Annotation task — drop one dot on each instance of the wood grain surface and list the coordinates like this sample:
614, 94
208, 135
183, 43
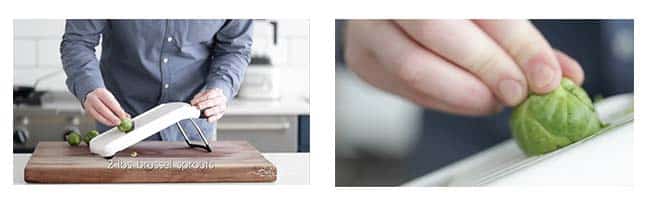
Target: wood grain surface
156, 162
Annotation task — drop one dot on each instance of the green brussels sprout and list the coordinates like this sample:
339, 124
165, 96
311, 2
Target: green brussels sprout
126, 125
90, 135
73, 138
545, 123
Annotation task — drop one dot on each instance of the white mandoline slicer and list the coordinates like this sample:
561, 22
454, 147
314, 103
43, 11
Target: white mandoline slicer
108, 143
604, 158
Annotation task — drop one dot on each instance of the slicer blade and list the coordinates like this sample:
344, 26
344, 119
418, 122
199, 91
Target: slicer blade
146, 124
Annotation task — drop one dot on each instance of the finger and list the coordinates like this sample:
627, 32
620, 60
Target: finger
206, 104
464, 44
114, 106
570, 67
208, 94
407, 69
97, 116
390, 83
196, 97
529, 49
106, 113
211, 103
210, 111
213, 111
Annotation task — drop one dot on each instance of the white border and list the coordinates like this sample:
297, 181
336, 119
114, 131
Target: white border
321, 190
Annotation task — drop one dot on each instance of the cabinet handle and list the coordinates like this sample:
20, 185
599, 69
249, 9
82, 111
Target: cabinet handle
253, 126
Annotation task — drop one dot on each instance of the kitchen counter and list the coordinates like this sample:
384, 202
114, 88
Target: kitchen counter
293, 105
293, 169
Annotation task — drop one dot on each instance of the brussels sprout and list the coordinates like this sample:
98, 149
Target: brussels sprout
90, 135
126, 125
73, 138
544, 123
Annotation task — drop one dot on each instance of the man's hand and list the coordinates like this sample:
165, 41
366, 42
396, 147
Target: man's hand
470, 67
103, 106
212, 102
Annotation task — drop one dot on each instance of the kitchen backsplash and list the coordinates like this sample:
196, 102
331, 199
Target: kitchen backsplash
36, 49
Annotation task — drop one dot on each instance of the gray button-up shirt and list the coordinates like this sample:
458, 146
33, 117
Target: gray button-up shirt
145, 63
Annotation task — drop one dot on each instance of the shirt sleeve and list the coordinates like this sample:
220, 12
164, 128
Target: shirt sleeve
78, 56
230, 56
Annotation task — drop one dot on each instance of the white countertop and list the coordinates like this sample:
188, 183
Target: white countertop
293, 169
295, 105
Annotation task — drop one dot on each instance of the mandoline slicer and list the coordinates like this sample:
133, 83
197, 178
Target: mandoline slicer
146, 124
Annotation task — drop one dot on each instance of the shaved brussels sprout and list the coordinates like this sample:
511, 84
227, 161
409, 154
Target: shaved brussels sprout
545, 123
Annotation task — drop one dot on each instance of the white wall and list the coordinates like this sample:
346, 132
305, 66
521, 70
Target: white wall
36, 49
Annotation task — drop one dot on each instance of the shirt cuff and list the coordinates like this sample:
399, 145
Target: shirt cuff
222, 83
85, 86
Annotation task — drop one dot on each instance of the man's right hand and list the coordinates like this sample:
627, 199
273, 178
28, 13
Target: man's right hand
103, 106
468, 67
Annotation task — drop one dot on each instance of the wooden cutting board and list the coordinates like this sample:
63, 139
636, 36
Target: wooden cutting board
156, 161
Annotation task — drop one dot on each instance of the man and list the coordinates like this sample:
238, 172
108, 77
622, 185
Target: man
145, 63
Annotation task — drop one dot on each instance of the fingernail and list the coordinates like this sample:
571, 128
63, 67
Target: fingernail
511, 91
542, 75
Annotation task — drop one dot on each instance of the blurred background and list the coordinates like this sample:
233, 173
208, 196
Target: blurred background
384, 140
271, 110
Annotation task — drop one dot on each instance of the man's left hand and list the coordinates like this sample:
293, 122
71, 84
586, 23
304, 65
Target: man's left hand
212, 102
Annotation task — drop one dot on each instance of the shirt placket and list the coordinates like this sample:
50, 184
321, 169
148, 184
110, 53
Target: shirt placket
166, 62
166, 52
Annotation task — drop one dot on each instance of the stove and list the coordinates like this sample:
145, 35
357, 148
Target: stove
45, 116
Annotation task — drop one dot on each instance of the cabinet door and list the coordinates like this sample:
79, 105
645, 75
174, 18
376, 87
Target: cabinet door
266, 133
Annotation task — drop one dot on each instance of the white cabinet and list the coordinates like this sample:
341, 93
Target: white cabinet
271, 133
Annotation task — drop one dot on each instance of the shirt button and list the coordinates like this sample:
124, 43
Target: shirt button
166, 86
165, 60
169, 39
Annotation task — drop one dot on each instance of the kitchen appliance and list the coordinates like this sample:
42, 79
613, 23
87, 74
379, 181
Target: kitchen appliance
45, 115
260, 83
262, 52
146, 124
604, 158
149, 161
260, 80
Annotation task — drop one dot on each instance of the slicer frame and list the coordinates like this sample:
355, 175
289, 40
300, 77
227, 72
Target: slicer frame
205, 145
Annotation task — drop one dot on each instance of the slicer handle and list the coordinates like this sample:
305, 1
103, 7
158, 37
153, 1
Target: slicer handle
202, 114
